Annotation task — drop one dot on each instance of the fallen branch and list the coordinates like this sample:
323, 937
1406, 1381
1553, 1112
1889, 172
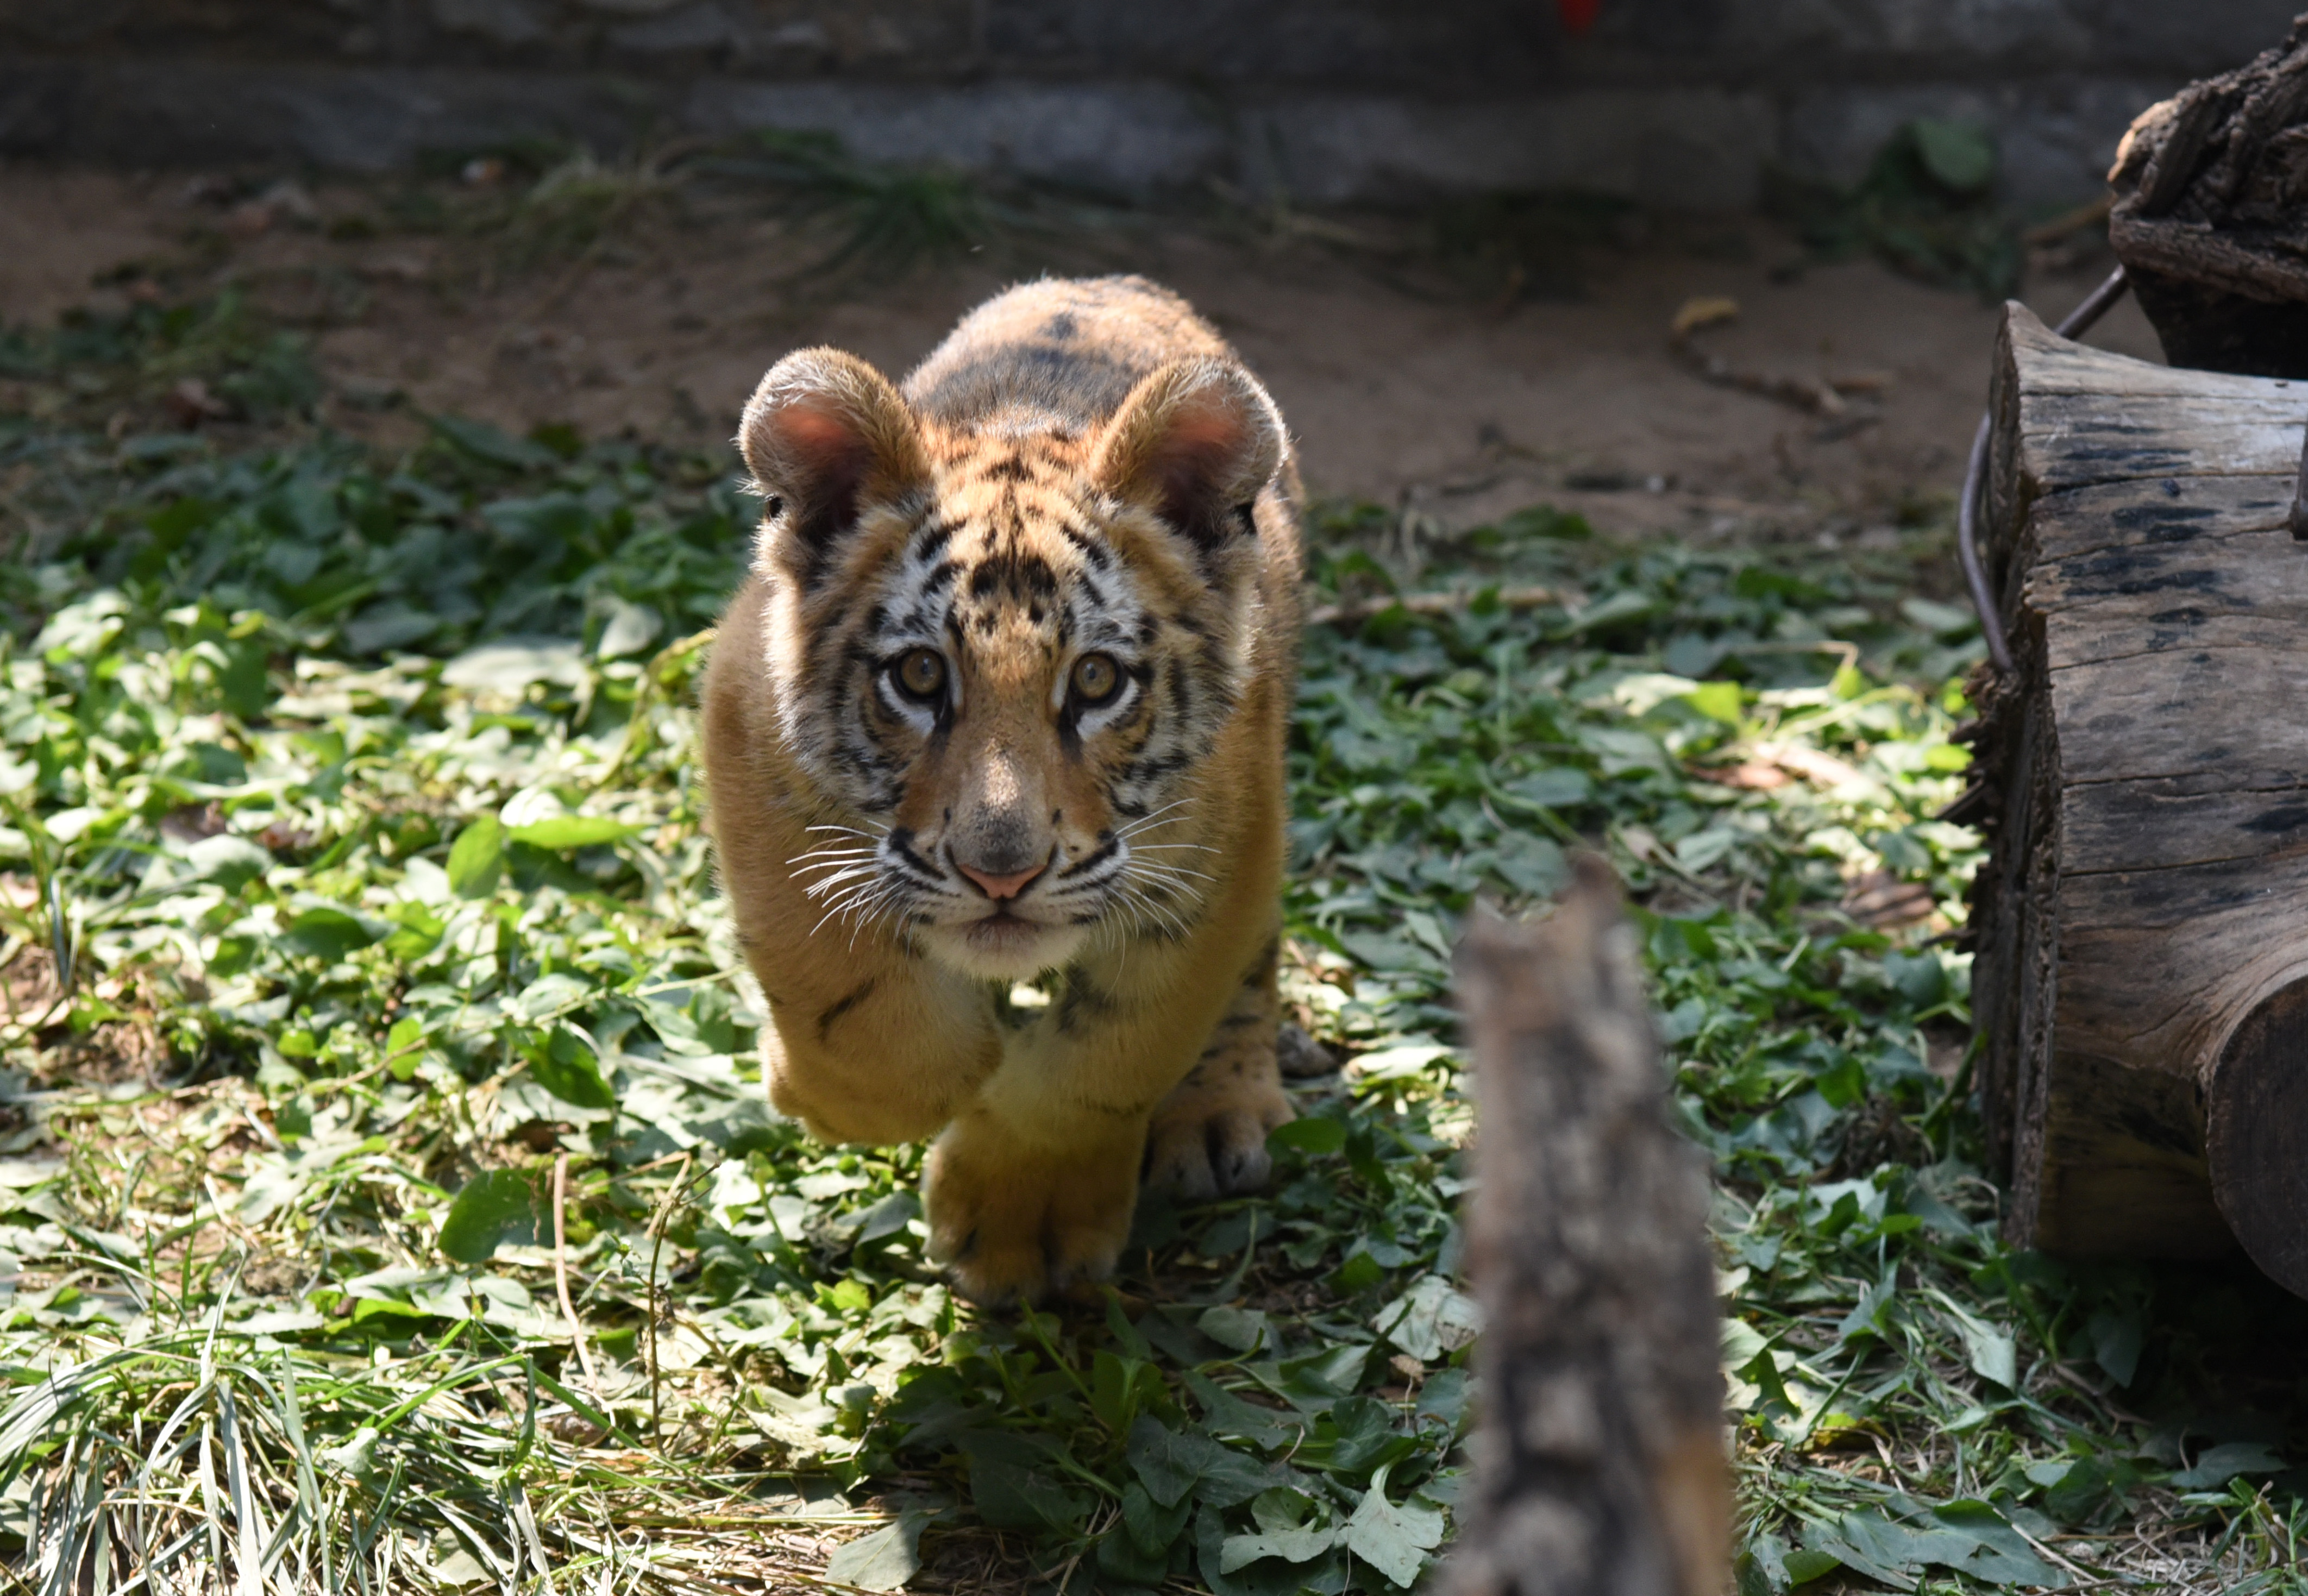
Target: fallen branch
1821, 396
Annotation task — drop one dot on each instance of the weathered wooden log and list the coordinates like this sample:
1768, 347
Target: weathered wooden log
1599, 1451
2211, 216
2141, 926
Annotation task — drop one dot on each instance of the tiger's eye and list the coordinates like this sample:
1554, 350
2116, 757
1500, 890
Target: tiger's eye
921, 673
1096, 678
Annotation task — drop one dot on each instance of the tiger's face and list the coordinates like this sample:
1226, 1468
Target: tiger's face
1002, 653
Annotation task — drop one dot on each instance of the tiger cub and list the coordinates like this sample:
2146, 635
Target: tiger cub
994, 751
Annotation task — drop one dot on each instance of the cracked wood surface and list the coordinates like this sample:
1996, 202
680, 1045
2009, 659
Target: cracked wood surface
2147, 908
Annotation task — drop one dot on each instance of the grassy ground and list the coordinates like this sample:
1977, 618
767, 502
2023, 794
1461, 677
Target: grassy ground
390, 1201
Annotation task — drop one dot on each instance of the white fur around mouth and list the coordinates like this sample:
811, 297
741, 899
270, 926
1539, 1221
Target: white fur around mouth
1004, 947
1003, 931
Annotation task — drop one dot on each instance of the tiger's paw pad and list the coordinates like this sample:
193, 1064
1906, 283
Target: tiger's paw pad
1208, 1137
1009, 1228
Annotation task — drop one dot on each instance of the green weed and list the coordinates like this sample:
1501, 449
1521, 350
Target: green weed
1927, 206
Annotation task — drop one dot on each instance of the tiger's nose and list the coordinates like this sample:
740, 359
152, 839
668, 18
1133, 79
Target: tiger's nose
999, 887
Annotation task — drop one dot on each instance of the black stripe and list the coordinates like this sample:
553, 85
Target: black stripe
825, 1021
1106, 849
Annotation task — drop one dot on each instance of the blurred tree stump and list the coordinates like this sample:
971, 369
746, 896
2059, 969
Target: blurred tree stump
1599, 1454
2211, 216
2141, 981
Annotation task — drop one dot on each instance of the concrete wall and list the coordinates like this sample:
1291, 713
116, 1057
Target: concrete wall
1678, 102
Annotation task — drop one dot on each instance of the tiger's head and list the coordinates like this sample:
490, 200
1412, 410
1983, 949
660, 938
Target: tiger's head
1001, 651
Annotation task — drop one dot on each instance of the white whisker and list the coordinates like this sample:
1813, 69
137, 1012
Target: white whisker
1143, 822
1142, 903
1172, 872
854, 872
852, 895
877, 905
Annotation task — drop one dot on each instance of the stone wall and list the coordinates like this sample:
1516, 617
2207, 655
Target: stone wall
1678, 102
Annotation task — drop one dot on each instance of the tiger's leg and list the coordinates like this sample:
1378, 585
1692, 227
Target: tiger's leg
1208, 1136
1033, 1186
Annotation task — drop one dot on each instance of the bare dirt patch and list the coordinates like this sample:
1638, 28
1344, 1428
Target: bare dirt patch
661, 323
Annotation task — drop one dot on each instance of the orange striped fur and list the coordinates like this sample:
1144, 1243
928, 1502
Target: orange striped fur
1004, 702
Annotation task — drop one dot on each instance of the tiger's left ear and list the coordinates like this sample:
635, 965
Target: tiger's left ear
1196, 442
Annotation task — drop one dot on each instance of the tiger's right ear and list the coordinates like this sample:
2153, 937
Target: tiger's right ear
825, 436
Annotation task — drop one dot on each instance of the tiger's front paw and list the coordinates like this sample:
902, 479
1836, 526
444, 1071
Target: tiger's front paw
1012, 1222
1208, 1136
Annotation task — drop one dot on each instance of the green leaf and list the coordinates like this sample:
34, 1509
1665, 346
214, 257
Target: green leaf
511, 665
1717, 700
420, 933
230, 861
1313, 1134
1127, 1566
1242, 1330
1558, 786
491, 1210
565, 1067
1292, 1546
1167, 1463
1012, 1491
1844, 1084
565, 833
2002, 1555
1120, 1388
328, 934
478, 858
1430, 1320
884, 1560
1993, 1355
1803, 1565
1153, 1528
486, 442
1170, 1463
1271, 1577
1531, 863
1226, 1414
2215, 1466
1920, 977
1941, 619
1823, 1541
631, 627
1125, 1334
2117, 1336
1393, 1540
